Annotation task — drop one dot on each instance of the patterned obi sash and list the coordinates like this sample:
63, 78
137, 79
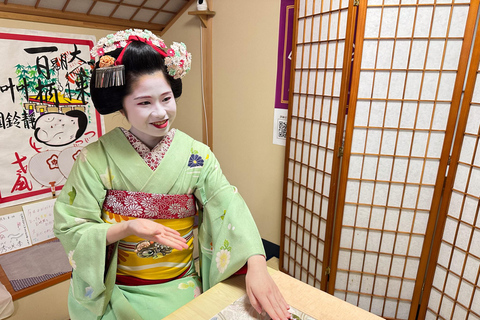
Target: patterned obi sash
149, 205
141, 262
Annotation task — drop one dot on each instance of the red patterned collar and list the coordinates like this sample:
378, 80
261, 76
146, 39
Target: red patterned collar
151, 157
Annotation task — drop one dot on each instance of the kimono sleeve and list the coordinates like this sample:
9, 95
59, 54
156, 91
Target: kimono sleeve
82, 232
228, 235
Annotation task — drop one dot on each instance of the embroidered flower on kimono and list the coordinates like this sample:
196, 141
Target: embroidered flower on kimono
107, 178
80, 220
88, 292
71, 261
190, 284
197, 291
195, 161
72, 194
177, 210
222, 259
118, 208
130, 200
190, 206
133, 210
157, 199
149, 209
111, 201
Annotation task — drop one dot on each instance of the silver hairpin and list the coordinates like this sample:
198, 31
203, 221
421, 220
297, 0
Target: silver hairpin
112, 76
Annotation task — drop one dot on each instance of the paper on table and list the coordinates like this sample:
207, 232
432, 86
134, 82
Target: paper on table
241, 309
40, 220
13, 232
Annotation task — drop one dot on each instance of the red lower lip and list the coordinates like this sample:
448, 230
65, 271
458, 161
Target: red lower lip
161, 126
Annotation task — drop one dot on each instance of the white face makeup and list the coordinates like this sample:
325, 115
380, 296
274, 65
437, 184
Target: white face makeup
150, 108
56, 129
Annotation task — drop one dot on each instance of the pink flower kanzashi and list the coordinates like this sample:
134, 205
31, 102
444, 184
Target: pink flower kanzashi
170, 52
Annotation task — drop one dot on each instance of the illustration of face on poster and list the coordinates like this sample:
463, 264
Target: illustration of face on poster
59, 129
45, 109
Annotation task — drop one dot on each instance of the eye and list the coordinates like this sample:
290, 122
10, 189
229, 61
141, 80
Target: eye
166, 99
143, 103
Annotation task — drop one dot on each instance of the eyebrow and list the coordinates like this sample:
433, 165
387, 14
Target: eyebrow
141, 97
149, 97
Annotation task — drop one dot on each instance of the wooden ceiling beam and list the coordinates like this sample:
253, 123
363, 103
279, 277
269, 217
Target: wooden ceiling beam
91, 7
116, 8
65, 5
141, 6
177, 15
21, 12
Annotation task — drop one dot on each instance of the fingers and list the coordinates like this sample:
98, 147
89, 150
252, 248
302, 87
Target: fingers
272, 302
153, 231
176, 243
172, 240
171, 231
282, 302
275, 308
253, 301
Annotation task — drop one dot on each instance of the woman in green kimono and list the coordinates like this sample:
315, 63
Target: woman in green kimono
125, 216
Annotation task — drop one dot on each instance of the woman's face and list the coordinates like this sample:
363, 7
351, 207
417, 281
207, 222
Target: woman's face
150, 108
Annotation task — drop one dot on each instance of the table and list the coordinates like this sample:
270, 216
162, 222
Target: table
303, 297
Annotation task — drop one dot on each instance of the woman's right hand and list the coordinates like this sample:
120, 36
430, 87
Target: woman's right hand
148, 230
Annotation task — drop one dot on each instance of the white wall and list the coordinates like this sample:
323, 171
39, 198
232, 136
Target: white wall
245, 44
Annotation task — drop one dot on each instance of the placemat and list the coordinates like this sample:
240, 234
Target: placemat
33, 265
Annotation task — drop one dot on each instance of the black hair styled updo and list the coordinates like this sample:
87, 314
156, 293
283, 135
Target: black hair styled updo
139, 59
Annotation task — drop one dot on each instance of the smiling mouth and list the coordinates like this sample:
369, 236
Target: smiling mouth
160, 124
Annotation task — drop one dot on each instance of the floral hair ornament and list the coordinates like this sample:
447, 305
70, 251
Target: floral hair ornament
111, 72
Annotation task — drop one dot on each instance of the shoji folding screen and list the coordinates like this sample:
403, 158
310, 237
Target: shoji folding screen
311, 160
452, 288
370, 144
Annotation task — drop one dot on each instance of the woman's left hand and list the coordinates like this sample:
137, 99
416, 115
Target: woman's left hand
263, 292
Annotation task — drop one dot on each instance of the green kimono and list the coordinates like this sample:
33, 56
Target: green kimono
227, 235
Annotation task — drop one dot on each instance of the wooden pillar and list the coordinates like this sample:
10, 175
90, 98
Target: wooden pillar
207, 36
207, 75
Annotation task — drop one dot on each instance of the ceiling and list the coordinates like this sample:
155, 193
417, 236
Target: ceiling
155, 15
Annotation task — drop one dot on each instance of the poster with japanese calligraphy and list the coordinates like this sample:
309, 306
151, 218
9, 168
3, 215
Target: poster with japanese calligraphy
46, 115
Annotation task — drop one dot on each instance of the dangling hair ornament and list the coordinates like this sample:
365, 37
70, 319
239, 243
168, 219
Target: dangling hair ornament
111, 71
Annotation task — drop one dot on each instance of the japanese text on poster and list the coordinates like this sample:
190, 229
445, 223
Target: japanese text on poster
46, 116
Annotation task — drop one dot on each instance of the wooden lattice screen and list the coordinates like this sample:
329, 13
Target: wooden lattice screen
368, 241
452, 288
310, 160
